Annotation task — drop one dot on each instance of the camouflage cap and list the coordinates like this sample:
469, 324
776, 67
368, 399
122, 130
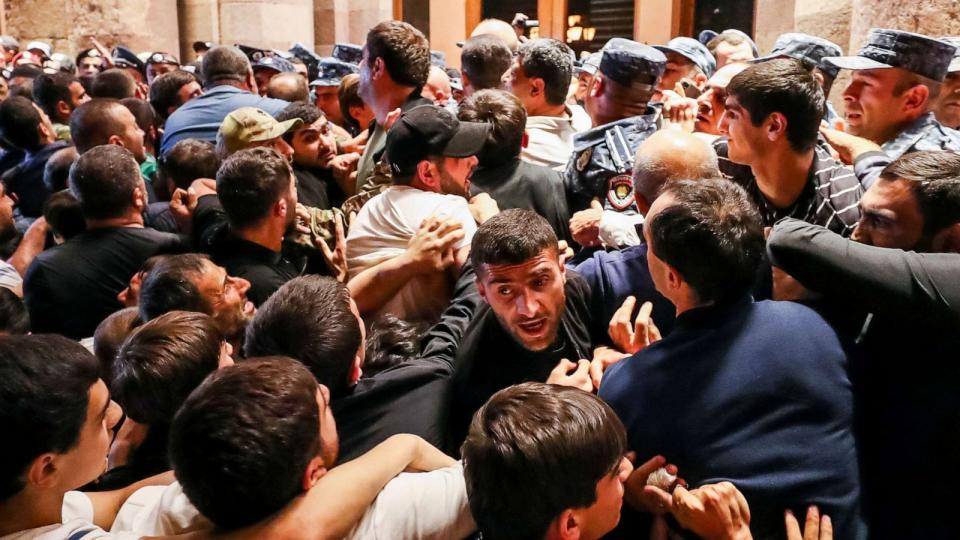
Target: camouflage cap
332, 71
632, 64
955, 63
439, 59
276, 63
248, 125
589, 65
348, 52
811, 50
693, 51
885, 48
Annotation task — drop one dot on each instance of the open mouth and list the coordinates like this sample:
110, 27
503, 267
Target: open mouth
533, 328
853, 118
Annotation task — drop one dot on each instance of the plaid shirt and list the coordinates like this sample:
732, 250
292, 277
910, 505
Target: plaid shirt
831, 197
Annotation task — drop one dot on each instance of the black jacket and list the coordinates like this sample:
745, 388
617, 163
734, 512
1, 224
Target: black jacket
490, 359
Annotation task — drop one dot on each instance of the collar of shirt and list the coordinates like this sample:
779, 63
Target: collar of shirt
909, 135
238, 247
705, 316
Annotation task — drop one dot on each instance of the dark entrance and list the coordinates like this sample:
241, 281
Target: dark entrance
720, 15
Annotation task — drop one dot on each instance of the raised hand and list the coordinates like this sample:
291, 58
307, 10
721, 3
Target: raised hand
632, 337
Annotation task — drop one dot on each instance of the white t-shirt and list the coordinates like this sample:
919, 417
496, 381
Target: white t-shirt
77, 517
550, 138
412, 506
381, 231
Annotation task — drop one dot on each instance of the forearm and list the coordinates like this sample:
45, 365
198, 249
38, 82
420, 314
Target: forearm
30, 246
372, 288
106, 504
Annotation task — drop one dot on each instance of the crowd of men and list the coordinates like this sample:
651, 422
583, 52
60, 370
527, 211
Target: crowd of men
269, 294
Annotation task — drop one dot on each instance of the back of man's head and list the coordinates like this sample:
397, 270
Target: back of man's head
143, 112
171, 285
161, 362
110, 335
14, 319
92, 123
934, 179
114, 83
189, 160
484, 60
550, 60
104, 181
309, 318
223, 64
499, 28
507, 119
288, 87
165, 91
57, 170
45, 383
670, 155
404, 50
784, 86
20, 123
511, 237
242, 441
250, 182
52, 88
711, 233
542, 448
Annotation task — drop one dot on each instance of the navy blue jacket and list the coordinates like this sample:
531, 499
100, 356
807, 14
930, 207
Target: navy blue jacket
755, 393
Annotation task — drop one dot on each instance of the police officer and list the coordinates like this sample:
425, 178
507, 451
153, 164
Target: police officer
159, 63
618, 103
266, 67
896, 76
348, 52
811, 51
124, 58
947, 110
327, 86
89, 62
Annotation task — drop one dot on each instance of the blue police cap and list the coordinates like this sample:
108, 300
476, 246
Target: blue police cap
348, 52
632, 64
332, 71
955, 63
125, 58
885, 48
276, 63
693, 51
811, 50
253, 53
439, 59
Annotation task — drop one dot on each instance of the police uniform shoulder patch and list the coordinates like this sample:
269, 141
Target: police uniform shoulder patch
584, 159
620, 192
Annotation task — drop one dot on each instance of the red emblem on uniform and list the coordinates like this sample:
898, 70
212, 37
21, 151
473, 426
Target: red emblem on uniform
620, 192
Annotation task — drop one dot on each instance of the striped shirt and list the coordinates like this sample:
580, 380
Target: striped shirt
831, 197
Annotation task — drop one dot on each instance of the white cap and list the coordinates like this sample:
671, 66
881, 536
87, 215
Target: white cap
42, 46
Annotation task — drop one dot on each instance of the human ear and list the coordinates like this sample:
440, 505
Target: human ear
776, 126
566, 526
43, 471
947, 240
315, 471
917, 97
536, 87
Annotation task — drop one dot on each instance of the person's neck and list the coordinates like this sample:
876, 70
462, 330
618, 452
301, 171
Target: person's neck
228, 82
782, 175
686, 304
388, 100
546, 109
133, 220
417, 184
265, 235
22, 513
602, 119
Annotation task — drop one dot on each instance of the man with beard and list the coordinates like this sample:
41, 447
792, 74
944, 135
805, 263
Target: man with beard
258, 194
320, 184
431, 156
535, 320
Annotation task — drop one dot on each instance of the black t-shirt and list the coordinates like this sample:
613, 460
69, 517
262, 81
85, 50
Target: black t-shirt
26, 180
72, 288
317, 188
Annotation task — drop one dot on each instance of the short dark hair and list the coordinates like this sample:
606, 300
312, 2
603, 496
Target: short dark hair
14, 319
224, 63
935, 181
404, 49
507, 119
542, 448
171, 285
142, 111
712, 235
64, 215
20, 123
103, 180
551, 60
57, 170
165, 90
288, 86
309, 318
391, 341
189, 160
110, 335
784, 86
349, 96
161, 362
484, 59
242, 441
249, 182
92, 123
732, 37
52, 88
511, 237
307, 112
45, 385
114, 83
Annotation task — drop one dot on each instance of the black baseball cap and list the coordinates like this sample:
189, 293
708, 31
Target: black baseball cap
427, 131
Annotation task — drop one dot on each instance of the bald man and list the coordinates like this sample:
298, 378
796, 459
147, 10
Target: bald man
665, 156
437, 88
501, 29
288, 86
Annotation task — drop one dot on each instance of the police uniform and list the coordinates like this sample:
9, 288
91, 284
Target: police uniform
812, 52
602, 163
919, 54
348, 52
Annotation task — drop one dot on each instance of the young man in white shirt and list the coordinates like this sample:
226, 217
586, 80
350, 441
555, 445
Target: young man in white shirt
431, 156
